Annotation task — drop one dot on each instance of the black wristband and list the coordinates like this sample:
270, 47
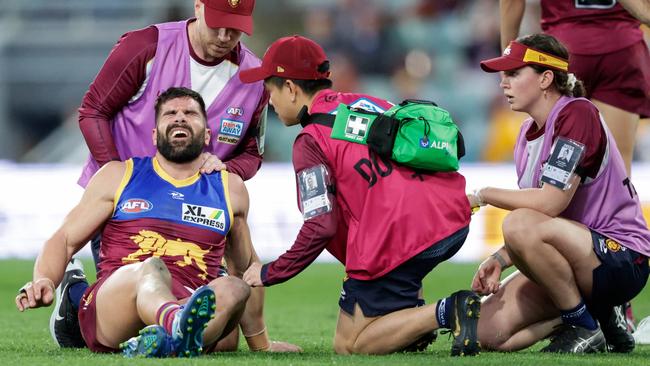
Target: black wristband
499, 258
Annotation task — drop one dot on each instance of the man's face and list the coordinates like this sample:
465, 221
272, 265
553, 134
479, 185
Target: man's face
215, 43
180, 133
280, 99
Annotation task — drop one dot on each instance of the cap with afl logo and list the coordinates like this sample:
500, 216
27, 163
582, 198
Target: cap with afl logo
235, 14
294, 57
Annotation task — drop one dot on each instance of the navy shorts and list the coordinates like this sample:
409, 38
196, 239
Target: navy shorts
398, 289
621, 276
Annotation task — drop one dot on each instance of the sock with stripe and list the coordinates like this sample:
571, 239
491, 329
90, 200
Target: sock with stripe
443, 312
579, 316
165, 315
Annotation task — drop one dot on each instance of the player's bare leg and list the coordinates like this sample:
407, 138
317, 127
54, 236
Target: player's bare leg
623, 125
229, 343
380, 335
517, 316
129, 298
231, 296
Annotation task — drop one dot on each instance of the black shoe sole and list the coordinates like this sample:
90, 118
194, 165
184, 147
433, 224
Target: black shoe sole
466, 343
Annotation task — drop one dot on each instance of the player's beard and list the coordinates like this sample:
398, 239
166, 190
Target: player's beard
180, 152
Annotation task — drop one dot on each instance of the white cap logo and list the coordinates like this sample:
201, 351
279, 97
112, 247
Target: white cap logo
506, 52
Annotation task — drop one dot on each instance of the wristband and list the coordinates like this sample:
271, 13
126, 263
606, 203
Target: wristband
477, 193
258, 341
499, 258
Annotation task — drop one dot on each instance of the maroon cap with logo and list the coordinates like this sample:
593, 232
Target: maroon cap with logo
292, 57
235, 14
518, 55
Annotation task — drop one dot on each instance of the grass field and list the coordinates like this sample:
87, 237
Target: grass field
302, 311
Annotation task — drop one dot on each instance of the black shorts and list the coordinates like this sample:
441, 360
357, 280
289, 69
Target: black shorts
621, 276
398, 289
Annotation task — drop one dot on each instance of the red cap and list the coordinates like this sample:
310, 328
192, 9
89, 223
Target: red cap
235, 14
292, 57
517, 55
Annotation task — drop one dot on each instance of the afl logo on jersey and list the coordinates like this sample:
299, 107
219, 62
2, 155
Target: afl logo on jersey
136, 205
235, 111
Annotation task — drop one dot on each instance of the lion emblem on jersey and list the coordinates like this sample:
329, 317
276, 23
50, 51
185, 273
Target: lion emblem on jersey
150, 242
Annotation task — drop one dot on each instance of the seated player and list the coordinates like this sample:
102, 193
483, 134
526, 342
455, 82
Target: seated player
166, 228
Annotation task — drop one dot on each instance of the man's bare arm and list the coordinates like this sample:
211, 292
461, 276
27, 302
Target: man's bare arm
94, 208
240, 254
512, 12
639, 9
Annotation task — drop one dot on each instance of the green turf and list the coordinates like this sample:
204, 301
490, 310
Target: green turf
302, 311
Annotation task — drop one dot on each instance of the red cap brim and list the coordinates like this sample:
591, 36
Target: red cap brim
252, 75
218, 19
503, 63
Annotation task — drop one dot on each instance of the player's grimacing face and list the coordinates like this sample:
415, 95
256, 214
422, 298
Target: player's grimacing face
521, 88
181, 132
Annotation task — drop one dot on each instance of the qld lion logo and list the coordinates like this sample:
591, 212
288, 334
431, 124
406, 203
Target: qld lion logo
150, 242
233, 3
612, 245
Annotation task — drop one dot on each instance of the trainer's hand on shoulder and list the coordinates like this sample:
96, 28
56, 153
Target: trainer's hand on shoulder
279, 346
211, 163
35, 294
253, 275
487, 279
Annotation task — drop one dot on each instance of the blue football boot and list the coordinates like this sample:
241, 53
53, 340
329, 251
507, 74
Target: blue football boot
153, 341
190, 321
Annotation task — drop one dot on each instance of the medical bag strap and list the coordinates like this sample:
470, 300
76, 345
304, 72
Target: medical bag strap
417, 101
324, 119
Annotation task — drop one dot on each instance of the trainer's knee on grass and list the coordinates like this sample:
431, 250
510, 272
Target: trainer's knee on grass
348, 346
357, 348
493, 342
494, 335
342, 346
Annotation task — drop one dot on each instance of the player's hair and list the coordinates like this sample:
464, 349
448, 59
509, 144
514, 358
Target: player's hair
310, 87
549, 44
179, 92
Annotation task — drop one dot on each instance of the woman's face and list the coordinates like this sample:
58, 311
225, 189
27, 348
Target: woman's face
522, 88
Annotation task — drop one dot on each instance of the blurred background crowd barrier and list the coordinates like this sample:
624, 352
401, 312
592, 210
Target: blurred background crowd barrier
51, 50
